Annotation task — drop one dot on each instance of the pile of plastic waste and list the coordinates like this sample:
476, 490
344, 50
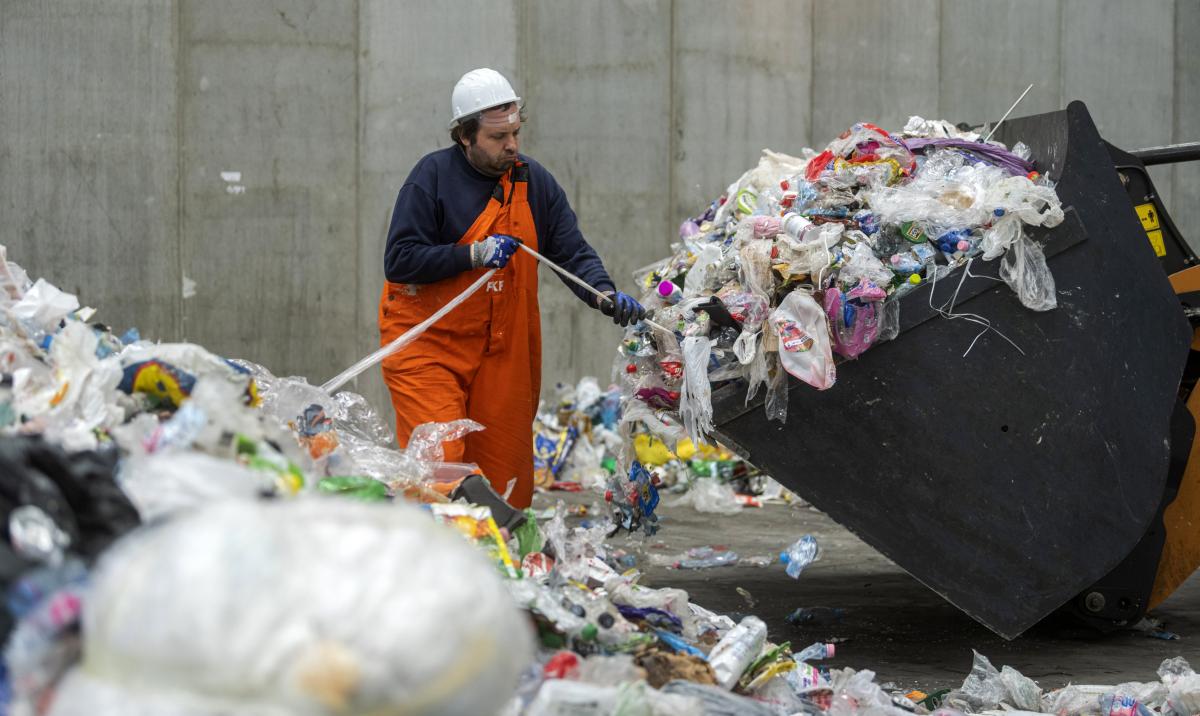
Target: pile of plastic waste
578, 447
193, 535
307, 557
987, 690
802, 262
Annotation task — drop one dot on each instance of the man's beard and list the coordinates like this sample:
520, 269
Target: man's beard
487, 164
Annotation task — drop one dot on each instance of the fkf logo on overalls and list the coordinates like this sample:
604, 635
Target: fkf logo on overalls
495, 286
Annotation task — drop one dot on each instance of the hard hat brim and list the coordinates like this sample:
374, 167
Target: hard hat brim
475, 113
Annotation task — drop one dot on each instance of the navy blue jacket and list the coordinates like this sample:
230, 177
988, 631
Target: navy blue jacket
443, 196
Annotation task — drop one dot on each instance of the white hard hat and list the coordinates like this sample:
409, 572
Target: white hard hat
479, 90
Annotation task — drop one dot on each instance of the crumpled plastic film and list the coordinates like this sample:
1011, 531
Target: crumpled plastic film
426, 440
43, 305
1024, 269
695, 402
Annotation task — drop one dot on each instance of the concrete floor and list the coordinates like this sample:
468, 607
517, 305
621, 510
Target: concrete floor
892, 624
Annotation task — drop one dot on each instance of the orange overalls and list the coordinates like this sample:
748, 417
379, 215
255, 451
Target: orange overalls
483, 361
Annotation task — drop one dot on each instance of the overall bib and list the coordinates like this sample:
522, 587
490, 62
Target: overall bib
483, 361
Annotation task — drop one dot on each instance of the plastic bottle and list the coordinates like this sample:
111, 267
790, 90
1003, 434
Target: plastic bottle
670, 293
801, 554
741, 645
815, 652
705, 557
794, 225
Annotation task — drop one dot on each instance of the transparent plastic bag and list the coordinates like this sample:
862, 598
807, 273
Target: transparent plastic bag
239, 622
160, 485
889, 321
861, 263
983, 688
426, 440
710, 495
804, 344
1024, 269
1023, 692
703, 272
855, 692
624, 592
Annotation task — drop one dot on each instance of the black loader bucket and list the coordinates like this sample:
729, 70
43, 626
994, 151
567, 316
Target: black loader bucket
1012, 483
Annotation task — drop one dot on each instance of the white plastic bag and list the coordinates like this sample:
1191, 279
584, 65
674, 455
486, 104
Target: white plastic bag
695, 400
44, 305
804, 346
312, 606
160, 485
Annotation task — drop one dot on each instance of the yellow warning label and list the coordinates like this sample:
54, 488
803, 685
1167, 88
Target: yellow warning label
1149, 216
1156, 240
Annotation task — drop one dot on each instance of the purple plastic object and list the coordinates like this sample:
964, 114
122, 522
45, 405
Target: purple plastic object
988, 152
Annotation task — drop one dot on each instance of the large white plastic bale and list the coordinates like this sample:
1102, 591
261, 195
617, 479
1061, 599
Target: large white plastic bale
312, 606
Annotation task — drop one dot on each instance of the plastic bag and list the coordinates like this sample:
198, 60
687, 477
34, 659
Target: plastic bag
239, 624
804, 344
862, 264
889, 321
426, 440
710, 495
622, 591
854, 317
813, 253
69, 404
43, 306
856, 692
703, 271
160, 485
983, 688
1023, 692
695, 400
1024, 269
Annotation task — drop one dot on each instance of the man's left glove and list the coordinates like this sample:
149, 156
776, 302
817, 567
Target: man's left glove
493, 252
623, 308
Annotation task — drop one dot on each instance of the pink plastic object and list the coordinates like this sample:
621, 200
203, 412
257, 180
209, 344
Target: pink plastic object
850, 340
766, 227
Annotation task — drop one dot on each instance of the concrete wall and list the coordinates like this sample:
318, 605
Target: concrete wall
256, 148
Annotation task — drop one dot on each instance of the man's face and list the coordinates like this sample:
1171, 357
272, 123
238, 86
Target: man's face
495, 148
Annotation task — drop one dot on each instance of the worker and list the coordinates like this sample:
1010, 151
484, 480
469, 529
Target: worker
462, 211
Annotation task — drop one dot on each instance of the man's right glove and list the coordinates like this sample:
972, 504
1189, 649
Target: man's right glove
623, 308
493, 252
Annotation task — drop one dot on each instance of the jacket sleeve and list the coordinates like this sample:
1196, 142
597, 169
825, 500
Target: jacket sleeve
413, 253
566, 246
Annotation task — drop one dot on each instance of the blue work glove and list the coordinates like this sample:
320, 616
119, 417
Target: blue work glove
493, 252
623, 308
